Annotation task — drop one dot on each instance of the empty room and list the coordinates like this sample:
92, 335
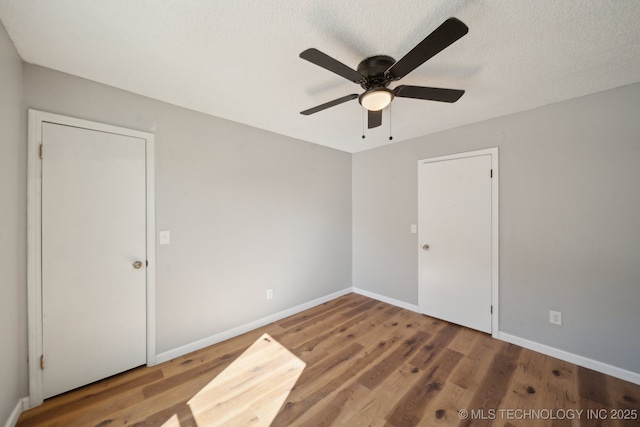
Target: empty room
318, 212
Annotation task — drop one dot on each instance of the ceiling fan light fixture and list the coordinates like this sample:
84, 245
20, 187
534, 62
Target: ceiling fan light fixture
376, 99
375, 73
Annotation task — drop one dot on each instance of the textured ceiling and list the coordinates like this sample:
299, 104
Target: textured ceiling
239, 59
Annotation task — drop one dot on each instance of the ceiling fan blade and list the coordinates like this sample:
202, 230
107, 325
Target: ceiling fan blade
325, 61
329, 104
428, 93
445, 35
374, 119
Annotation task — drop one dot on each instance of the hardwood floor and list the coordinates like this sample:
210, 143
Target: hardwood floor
368, 363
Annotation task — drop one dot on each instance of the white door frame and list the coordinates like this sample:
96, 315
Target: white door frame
34, 238
495, 236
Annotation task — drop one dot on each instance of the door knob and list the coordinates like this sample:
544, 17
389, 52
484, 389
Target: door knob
425, 247
137, 265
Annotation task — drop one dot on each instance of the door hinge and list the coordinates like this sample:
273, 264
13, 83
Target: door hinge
491, 309
41, 150
42, 362
491, 173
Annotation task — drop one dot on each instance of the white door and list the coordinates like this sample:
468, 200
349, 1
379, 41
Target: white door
455, 235
93, 232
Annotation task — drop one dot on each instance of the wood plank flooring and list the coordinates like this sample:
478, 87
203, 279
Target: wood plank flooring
368, 363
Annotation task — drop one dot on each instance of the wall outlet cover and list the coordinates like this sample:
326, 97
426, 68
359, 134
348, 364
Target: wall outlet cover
555, 317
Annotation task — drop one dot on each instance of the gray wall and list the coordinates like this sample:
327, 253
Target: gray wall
13, 218
569, 221
247, 209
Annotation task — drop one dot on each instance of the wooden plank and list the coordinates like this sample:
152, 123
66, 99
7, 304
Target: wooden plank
411, 407
373, 376
207, 369
376, 406
393, 325
494, 386
431, 349
625, 401
251, 390
590, 386
357, 329
463, 382
559, 390
444, 408
471, 369
526, 390
465, 340
361, 308
323, 311
337, 407
314, 327
337, 335
329, 400
593, 397
315, 383
94, 401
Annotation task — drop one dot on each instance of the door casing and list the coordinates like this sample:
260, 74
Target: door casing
34, 238
495, 264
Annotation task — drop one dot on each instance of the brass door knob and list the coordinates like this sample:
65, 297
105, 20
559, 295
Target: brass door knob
137, 265
425, 247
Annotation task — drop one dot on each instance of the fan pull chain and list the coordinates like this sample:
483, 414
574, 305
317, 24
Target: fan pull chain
390, 133
363, 114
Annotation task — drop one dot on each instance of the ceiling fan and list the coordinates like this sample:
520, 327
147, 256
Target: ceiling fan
375, 73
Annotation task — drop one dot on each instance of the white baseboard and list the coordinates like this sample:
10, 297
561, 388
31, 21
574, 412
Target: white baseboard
388, 300
239, 330
604, 368
585, 362
22, 405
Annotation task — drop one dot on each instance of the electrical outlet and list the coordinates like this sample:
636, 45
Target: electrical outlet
555, 317
270, 293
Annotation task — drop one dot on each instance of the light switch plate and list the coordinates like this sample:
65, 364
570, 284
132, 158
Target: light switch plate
414, 228
165, 237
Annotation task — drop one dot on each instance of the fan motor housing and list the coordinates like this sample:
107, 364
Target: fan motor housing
373, 68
